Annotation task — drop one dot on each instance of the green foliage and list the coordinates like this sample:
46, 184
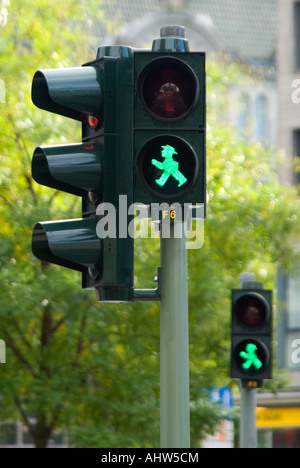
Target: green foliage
92, 369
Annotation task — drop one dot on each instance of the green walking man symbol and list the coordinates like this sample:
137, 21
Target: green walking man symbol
250, 357
169, 167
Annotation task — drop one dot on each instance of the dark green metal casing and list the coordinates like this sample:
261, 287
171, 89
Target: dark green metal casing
99, 94
116, 283
161, 79
251, 323
73, 92
118, 100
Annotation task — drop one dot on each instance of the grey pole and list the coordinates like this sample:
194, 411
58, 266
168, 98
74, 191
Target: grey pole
174, 342
173, 294
248, 431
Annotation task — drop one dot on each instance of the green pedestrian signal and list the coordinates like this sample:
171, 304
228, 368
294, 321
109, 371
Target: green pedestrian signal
169, 167
250, 357
169, 123
251, 335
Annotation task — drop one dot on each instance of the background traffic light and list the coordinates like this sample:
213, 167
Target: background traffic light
251, 334
99, 169
169, 125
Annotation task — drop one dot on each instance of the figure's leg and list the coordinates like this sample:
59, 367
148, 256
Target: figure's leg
163, 179
179, 177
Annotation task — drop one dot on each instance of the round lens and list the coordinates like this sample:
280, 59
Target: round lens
168, 88
252, 310
167, 166
251, 356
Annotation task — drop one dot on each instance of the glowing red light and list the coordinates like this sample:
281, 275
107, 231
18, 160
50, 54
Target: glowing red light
92, 121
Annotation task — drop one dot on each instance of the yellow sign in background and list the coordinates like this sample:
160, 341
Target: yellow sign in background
278, 417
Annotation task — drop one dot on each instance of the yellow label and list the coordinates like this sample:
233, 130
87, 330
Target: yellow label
278, 417
169, 214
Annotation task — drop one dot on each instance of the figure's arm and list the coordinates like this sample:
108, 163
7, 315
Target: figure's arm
157, 164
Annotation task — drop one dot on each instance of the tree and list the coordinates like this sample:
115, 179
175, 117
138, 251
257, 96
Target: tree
41, 318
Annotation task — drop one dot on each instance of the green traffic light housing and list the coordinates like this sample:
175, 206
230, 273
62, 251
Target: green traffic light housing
170, 123
143, 119
96, 170
251, 334
73, 92
75, 169
70, 243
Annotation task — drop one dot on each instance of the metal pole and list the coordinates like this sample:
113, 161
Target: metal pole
248, 431
174, 342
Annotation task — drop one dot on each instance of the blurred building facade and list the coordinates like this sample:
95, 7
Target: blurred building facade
242, 30
288, 335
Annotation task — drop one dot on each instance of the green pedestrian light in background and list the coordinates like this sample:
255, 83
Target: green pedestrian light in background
250, 357
251, 335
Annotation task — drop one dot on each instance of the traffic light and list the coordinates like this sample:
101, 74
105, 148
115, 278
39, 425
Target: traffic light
169, 122
251, 334
98, 169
